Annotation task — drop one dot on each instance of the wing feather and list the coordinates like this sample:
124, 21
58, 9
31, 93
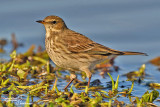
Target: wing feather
77, 43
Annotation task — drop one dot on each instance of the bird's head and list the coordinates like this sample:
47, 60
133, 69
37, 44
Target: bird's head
53, 23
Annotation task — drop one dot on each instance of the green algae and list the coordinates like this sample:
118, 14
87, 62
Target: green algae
32, 75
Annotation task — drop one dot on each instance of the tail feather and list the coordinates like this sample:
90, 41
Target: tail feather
134, 53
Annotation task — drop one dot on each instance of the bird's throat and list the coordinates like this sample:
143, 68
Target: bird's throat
50, 33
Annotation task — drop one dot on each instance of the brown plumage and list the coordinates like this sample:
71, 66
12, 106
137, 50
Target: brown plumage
73, 51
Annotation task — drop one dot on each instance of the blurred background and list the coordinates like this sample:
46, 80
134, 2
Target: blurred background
120, 24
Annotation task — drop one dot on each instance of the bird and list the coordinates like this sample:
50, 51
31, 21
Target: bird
73, 51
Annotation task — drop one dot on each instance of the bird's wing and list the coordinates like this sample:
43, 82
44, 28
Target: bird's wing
78, 43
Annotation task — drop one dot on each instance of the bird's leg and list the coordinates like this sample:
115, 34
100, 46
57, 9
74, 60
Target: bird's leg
89, 75
68, 83
89, 81
72, 77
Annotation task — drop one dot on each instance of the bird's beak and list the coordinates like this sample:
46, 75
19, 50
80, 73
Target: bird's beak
41, 21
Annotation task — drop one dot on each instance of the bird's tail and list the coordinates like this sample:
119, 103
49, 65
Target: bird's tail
134, 53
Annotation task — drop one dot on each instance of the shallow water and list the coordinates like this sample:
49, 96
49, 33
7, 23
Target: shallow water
122, 25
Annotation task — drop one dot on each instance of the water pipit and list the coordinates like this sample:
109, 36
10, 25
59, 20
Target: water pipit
73, 51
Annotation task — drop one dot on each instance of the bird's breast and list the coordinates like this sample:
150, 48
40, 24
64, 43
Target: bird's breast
58, 52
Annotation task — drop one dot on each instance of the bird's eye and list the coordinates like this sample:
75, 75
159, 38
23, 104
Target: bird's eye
54, 22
